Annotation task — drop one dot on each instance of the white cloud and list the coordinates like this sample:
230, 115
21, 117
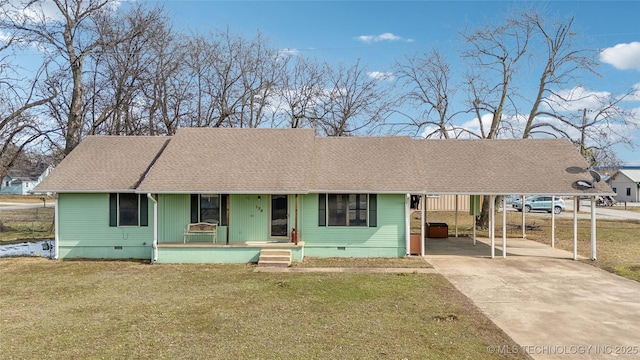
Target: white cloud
622, 56
635, 95
382, 37
46, 10
290, 52
381, 75
4, 38
577, 98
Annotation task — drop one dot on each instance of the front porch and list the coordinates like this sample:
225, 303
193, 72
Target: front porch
221, 253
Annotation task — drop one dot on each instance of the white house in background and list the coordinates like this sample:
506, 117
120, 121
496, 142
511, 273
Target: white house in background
626, 184
19, 183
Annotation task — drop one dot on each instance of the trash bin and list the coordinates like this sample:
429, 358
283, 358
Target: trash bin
437, 230
414, 244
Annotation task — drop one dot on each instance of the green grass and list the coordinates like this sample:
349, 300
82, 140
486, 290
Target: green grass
117, 309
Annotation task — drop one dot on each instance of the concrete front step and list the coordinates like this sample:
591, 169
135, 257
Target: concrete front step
274, 258
283, 252
269, 263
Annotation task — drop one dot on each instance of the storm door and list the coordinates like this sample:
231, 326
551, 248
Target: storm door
279, 215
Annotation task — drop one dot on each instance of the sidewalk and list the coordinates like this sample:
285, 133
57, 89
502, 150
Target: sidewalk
342, 269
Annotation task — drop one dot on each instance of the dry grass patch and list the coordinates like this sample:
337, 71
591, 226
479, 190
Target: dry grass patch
407, 262
26, 224
26, 199
115, 309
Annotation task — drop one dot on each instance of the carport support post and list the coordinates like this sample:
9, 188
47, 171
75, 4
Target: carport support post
553, 221
504, 227
474, 203
524, 227
576, 200
492, 222
456, 215
593, 228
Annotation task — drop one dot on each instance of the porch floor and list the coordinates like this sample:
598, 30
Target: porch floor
246, 244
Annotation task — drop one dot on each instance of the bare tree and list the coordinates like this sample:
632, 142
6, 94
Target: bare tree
352, 102
113, 93
299, 92
77, 30
430, 90
494, 55
22, 100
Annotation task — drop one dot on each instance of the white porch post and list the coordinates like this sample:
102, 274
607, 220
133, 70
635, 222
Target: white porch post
492, 220
576, 199
423, 210
553, 221
593, 228
154, 246
504, 227
407, 223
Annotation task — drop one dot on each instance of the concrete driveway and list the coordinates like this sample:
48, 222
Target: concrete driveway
553, 307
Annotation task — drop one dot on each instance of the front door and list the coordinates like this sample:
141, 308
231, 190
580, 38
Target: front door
279, 215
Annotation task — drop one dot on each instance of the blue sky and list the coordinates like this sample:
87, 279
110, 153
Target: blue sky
378, 33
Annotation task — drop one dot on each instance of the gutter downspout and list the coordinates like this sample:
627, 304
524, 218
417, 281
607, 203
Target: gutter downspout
155, 228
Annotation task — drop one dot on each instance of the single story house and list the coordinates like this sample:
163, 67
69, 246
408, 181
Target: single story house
21, 183
626, 184
136, 196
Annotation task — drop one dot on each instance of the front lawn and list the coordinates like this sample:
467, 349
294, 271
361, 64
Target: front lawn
119, 309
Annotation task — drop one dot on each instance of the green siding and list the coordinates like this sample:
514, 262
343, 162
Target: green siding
385, 240
174, 214
248, 218
84, 232
216, 255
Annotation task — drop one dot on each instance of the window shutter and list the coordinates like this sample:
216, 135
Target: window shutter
224, 200
322, 209
113, 210
373, 210
195, 208
144, 210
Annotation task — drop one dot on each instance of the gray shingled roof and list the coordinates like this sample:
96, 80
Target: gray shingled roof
366, 164
223, 160
503, 167
296, 161
104, 164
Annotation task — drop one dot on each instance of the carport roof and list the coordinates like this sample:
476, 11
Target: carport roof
503, 167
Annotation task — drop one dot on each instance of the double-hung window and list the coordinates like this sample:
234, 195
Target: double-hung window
209, 208
127, 209
347, 210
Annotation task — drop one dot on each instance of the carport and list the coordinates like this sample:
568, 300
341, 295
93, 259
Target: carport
491, 168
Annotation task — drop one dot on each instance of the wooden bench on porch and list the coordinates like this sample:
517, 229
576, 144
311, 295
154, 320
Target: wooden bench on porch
201, 229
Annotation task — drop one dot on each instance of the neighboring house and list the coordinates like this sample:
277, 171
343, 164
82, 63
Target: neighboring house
19, 183
134, 197
626, 184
